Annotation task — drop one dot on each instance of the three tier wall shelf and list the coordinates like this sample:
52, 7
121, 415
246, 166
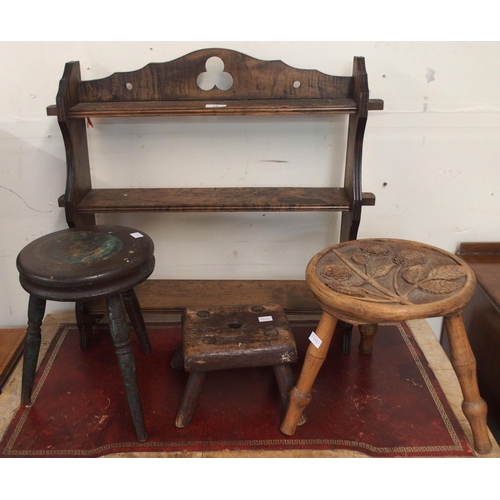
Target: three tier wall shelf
247, 86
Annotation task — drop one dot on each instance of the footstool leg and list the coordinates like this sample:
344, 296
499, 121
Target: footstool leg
121, 338
464, 364
368, 333
177, 362
36, 311
284, 378
189, 399
300, 395
135, 314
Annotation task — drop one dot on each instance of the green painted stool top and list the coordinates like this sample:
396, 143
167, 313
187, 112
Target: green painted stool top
93, 257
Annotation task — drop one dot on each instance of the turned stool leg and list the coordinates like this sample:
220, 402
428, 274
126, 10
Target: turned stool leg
368, 333
300, 395
464, 364
189, 399
36, 311
121, 338
135, 314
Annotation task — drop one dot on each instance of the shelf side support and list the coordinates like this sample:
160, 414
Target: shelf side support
352, 177
78, 180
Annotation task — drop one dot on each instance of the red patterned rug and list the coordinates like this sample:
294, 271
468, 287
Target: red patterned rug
387, 405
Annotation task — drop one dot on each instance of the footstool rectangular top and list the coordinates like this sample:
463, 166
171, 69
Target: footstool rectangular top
221, 337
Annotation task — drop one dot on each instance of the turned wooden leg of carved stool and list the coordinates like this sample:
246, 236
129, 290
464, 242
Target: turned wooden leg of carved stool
368, 333
121, 339
134, 313
300, 395
189, 399
36, 311
464, 364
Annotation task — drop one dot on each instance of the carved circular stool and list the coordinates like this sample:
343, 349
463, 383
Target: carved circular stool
83, 264
218, 338
366, 282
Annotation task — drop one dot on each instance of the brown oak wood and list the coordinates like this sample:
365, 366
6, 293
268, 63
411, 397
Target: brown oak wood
222, 337
252, 79
236, 108
218, 200
225, 107
78, 179
171, 89
162, 295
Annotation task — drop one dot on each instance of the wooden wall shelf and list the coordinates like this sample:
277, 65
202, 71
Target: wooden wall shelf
238, 85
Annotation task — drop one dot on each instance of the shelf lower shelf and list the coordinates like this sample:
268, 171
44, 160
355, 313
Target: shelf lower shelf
218, 200
176, 295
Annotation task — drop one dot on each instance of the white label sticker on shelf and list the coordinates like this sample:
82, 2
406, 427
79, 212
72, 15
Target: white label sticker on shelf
263, 319
215, 105
315, 340
137, 235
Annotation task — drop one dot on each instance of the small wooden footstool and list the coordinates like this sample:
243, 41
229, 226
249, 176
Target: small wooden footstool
218, 338
366, 282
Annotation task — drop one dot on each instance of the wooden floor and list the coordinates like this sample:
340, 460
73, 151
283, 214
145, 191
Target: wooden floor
438, 362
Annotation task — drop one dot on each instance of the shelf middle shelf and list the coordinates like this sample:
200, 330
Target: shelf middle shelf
276, 199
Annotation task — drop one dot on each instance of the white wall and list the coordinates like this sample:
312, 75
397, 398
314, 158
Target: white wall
436, 145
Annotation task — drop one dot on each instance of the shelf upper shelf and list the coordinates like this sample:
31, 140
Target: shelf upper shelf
217, 200
220, 107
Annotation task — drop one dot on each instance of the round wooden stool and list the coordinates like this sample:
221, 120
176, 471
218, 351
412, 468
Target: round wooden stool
79, 265
366, 282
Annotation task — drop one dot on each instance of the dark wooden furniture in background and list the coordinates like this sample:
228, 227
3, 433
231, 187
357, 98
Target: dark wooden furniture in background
79, 265
367, 282
221, 338
482, 322
11, 350
187, 86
